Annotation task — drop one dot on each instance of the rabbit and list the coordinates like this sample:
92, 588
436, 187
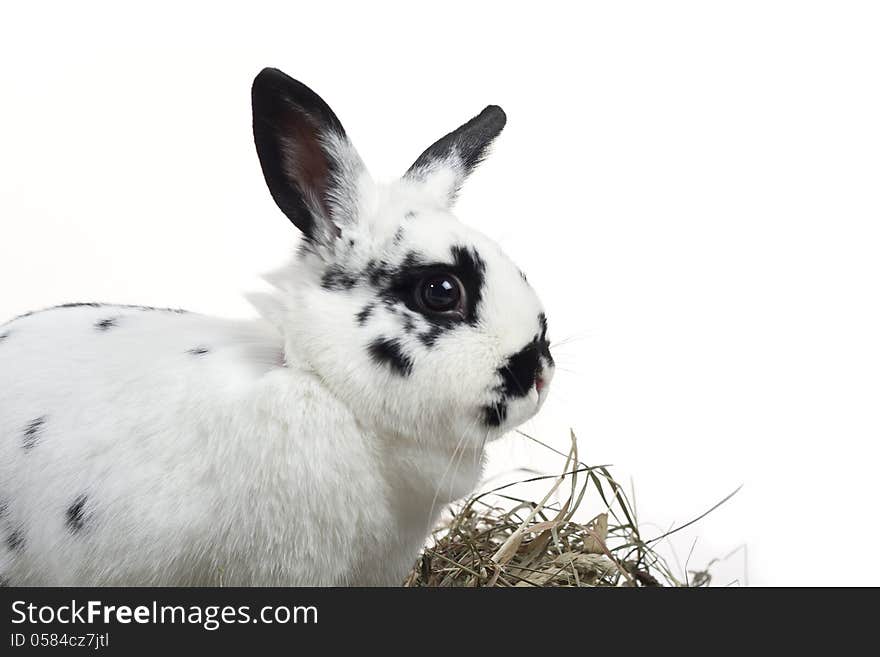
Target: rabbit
313, 445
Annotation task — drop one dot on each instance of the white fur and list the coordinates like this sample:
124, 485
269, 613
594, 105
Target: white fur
284, 455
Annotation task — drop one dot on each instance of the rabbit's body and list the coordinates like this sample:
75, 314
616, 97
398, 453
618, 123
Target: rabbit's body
312, 446
147, 446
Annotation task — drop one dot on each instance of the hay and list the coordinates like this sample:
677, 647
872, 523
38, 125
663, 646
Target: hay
541, 544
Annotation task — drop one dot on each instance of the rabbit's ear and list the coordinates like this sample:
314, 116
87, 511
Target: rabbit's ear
444, 166
312, 170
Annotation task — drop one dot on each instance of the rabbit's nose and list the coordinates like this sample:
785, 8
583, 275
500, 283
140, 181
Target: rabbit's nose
545, 366
526, 369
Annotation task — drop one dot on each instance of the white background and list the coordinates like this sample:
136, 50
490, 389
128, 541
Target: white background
692, 187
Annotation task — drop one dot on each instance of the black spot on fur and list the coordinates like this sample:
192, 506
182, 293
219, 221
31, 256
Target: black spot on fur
429, 337
92, 304
76, 514
519, 372
3, 336
472, 272
336, 278
398, 234
364, 314
410, 214
198, 351
32, 432
543, 342
3, 507
495, 414
390, 352
412, 259
106, 324
176, 311
15, 540
378, 272
390, 306
409, 324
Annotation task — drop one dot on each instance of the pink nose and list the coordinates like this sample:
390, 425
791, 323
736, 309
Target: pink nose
539, 383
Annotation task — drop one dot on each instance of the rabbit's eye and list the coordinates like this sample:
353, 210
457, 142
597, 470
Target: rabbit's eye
441, 293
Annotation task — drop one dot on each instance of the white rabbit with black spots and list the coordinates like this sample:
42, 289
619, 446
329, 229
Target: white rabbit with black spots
314, 445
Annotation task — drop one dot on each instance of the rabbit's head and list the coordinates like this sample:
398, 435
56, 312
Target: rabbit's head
419, 323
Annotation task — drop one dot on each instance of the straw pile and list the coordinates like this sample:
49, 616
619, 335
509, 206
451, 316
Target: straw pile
497, 539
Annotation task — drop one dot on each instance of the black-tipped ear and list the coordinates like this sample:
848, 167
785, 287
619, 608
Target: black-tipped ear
309, 165
450, 160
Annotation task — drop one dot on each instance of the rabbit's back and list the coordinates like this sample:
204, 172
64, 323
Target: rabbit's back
107, 414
